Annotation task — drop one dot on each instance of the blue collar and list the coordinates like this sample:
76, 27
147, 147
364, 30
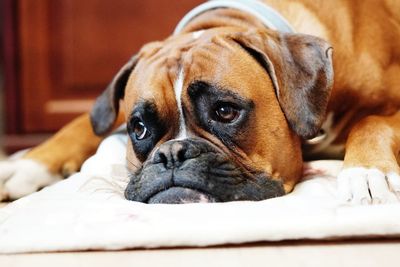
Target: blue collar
266, 14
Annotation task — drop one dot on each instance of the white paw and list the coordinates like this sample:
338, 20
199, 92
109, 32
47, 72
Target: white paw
21, 177
368, 186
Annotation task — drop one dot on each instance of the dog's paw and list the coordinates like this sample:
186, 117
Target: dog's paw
365, 186
21, 177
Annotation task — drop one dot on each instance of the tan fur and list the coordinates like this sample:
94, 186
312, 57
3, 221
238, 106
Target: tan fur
366, 39
65, 152
374, 142
365, 35
152, 72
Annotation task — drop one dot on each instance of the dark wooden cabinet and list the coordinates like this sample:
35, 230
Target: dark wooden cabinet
60, 54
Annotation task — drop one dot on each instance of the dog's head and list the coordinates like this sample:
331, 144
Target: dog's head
218, 115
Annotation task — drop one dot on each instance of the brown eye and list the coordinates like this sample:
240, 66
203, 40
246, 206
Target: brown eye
226, 113
140, 130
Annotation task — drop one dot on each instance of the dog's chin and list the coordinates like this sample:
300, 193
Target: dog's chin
180, 195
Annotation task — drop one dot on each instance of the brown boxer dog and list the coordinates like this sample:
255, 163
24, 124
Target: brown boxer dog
228, 108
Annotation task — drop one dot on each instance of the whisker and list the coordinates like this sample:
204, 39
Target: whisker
133, 164
106, 186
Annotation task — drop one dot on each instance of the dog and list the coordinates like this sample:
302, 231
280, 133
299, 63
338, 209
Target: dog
230, 105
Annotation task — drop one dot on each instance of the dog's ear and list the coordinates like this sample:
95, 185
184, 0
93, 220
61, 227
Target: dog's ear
105, 109
301, 70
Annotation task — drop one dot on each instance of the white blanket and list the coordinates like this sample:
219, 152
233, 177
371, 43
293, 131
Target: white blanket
87, 211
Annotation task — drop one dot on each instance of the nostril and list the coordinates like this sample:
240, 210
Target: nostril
178, 151
181, 155
163, 159
160, 157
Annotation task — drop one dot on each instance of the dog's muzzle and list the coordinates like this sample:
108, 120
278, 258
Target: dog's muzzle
194, 170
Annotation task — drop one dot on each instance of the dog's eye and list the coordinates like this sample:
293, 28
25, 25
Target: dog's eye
226, 113
140, 130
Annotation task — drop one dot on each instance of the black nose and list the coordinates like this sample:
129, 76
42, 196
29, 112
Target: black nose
173, 153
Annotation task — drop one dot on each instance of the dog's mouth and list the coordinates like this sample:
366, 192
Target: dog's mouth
199, 184
206, 175
180, 195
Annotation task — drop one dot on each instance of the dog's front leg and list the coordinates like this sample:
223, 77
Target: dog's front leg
60, 156
371, 170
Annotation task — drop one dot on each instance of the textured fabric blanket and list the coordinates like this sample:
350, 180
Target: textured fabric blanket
88, 212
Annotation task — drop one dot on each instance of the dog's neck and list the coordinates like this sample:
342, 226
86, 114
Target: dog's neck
288, 12
265, 14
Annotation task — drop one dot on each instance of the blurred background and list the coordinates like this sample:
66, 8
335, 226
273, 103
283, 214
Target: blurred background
2, 154
57, 56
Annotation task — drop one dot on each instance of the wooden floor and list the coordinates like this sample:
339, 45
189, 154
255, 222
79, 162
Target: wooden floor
321, 254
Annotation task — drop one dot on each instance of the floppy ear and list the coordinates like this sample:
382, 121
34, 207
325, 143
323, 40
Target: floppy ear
106, 107
301, 70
